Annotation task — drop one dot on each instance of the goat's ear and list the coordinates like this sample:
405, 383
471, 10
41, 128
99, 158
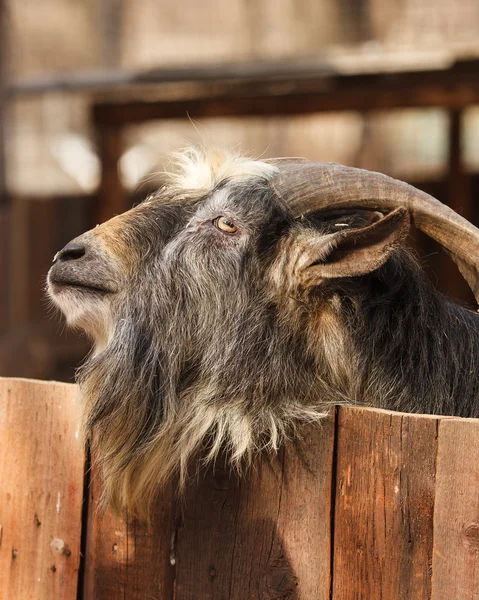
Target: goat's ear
351, 252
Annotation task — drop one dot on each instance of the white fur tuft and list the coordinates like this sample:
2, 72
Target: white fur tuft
200, 170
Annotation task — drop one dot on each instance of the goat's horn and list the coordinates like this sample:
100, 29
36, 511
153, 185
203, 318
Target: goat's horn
307, 187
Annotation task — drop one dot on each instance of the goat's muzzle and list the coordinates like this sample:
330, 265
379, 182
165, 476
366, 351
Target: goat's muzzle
82, 265
82, 282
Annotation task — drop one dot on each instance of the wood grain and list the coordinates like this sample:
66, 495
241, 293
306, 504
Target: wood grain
128, 561
266, 535
403, 491
455, 567
384, 505
41, 490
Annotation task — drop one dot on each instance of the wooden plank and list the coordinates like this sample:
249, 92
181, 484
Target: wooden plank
128, 560
384, 505
266, 535
41, 490
455, 567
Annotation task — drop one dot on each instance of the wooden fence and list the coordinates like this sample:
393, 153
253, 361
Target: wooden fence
372, 505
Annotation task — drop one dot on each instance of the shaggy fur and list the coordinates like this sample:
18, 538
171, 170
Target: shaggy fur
211, 344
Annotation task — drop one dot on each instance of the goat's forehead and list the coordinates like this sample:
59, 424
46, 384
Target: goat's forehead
197, 173
233, 197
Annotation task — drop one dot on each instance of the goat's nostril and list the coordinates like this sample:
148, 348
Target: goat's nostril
72, 251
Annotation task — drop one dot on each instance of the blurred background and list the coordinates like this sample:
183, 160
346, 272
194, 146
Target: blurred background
94, 94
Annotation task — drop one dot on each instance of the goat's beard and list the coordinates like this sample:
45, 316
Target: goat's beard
157, 396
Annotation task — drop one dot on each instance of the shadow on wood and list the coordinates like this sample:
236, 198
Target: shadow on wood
371, 505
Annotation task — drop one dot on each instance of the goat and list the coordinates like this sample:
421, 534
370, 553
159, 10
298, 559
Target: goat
246, 297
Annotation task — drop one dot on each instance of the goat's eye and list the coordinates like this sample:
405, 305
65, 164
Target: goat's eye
224, 224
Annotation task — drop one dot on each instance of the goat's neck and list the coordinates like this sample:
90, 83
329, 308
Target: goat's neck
418, 352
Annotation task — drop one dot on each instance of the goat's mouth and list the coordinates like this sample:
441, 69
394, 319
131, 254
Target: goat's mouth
58, 284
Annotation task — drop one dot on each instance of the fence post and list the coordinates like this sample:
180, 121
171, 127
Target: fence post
455, 566
41, 485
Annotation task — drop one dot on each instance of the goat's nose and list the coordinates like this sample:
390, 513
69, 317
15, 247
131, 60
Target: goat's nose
72, 251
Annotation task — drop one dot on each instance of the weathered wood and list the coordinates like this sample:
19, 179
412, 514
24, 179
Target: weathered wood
371, 505
41, 490
128, 560
384, 505
266, 535
455, 567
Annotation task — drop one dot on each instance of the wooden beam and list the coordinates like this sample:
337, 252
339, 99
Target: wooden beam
297, 71
361, 99
453, 88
